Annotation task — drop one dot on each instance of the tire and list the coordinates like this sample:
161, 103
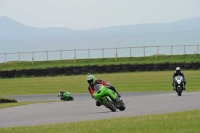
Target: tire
188, 65
122, 107
141, 67
179, 94
125, 67
100, 69
172, 66
181, 65
109, 104
117, 68
164, 66
60, 71
77, 70
71, 99
52, 71
156, 67
11, 74
19, 73
85, 69
148, 67
93, 69
68, 70
133, 67
109, 68
179, 90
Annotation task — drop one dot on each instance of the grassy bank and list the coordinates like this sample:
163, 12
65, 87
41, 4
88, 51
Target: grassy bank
124, 82
179, 122
82, 62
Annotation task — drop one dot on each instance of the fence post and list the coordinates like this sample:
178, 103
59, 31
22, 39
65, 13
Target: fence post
116, 53
89, 54
5, 58
157, 50
19, 57
47, 55
61, 54
74, 55
32, 58
184, 49
103, 53
130, 52
171, 49
144, 50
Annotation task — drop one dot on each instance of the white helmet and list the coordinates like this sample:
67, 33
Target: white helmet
178, 69
91, 79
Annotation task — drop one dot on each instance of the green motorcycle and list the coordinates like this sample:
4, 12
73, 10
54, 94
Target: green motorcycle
108, 98
65, 96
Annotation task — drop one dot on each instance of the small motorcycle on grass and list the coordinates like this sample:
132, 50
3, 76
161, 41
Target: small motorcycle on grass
65, 96
108, 98
179, 84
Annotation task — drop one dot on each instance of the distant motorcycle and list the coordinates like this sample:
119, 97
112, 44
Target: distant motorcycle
179, 84
108, 98
65, 96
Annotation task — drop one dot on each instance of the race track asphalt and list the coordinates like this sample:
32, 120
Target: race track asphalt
84, 108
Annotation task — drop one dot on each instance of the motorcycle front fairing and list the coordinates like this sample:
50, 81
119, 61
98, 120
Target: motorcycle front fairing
101, 91
178, 80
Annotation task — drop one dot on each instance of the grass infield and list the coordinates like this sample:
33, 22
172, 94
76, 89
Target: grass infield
179, 122
124, 82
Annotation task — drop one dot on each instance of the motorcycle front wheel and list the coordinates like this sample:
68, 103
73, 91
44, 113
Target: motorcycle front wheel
179, 91
109, 104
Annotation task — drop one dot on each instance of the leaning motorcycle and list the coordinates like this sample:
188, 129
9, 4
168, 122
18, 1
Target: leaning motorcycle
65, 96
108, 98
179, 84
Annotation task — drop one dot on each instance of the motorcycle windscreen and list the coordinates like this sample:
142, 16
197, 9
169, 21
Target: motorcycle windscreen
97, 87
178, 77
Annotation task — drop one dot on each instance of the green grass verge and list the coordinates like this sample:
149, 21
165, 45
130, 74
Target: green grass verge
124, 82
179, 122
7, 105
82, 62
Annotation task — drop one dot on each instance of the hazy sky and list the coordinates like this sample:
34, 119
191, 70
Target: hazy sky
88, 14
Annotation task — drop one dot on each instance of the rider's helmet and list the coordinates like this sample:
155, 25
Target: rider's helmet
178, 70
61, 92
91, 79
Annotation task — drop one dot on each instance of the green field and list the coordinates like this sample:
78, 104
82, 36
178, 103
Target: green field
179, 122
124, 82
82, 62
154, 81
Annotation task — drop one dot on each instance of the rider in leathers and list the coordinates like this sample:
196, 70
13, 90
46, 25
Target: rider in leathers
180, 73
92, 81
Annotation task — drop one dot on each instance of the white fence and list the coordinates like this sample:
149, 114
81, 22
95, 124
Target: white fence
99, 53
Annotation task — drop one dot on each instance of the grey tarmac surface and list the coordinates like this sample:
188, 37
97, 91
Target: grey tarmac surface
84, 108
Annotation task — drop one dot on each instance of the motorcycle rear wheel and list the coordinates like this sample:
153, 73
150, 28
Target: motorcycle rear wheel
122, 107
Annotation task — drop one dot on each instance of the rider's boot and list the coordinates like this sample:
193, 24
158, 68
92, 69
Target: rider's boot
98, 103
174, 88
184, 87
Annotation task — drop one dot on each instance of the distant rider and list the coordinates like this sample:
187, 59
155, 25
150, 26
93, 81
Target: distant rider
92, 81
178, 72
62, 94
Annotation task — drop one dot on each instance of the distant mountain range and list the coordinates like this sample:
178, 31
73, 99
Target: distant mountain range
16, 37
